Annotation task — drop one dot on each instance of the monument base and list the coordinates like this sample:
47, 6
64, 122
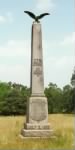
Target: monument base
29, 126
37, 110
37, 118
37, 133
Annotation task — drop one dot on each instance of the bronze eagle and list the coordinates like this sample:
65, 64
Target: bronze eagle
36, 18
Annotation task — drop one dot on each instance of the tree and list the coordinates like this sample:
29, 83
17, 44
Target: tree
54, 96
13, 99
67, 99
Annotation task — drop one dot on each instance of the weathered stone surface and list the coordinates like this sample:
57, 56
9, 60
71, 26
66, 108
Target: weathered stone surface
37, 110
37, 77
36, 126
37, 133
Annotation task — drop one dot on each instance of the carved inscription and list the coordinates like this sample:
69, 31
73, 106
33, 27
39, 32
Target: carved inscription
37, 62
37, 71
38, 110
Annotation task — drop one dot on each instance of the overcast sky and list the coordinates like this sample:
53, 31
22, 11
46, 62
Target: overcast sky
58, 38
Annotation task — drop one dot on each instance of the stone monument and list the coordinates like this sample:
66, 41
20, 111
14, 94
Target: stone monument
37, 108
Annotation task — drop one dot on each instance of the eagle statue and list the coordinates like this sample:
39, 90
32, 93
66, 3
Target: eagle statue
36, 18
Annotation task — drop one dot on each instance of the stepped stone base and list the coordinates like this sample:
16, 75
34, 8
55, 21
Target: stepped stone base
37, 118
37, 133
37, 130
37, 126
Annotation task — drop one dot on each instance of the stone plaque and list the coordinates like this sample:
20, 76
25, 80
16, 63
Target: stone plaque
38, 110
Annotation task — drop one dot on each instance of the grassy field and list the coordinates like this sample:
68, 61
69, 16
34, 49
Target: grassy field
63, 126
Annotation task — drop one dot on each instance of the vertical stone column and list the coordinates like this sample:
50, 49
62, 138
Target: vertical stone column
37, 76
37, 108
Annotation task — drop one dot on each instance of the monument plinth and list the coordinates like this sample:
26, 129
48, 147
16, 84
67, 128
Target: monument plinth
37, 108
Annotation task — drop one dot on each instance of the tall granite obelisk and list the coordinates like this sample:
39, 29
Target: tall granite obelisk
37, 108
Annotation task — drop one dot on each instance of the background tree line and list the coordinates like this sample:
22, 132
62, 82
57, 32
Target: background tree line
13, 98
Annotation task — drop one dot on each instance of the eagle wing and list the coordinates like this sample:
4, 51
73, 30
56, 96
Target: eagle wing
30, 14
42, 15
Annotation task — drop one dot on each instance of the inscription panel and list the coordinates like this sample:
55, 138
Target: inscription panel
38, 110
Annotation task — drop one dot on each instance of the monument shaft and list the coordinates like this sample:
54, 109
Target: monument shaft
37, 76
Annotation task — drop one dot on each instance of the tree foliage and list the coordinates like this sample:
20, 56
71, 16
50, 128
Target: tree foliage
13, 98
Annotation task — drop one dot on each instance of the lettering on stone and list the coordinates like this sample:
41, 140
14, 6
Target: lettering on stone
37, 71
38, 110
37, 62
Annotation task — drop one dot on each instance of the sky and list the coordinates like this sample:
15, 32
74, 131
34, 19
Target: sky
58, 37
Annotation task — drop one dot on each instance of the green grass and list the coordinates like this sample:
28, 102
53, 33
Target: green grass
63, 126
